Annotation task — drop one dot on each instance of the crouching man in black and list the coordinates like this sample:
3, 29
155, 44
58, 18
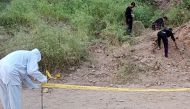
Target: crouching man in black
164, 34
159, 23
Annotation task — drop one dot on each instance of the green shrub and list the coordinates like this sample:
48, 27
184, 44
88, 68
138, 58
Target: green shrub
18, 12
157, 14
144, 13
82, 20
178, 15
58, 45
2, 6
186, 4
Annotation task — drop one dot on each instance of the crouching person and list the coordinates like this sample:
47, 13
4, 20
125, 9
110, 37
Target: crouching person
159, 23
163, 35
15, 69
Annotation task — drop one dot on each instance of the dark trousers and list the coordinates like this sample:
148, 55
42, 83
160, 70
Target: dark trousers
162, 36
156, 26
129, 22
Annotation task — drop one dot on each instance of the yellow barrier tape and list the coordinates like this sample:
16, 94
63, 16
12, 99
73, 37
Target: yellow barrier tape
77, 87
57, 76
48, 74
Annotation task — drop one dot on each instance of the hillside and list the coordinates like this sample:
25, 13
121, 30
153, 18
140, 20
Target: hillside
138, 65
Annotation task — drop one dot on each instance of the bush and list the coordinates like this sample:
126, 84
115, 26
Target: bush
18, 12
178, 15
144, 13
186, 4
58, 45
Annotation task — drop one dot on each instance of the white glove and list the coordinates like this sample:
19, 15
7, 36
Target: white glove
132, 15
36, 86
44, 80
39, 76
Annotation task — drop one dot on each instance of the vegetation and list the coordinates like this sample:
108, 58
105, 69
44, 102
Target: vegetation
179, 14
62, 29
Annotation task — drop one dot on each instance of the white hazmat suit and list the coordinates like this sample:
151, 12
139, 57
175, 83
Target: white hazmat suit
15, 69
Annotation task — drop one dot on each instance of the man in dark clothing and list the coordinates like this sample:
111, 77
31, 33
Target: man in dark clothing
129, 17
164, 34
159, 23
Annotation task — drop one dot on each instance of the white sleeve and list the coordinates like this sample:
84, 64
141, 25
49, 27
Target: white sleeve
39, 76
33, 69
29, 83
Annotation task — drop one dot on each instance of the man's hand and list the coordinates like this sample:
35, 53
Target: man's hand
36, 86
176, 46
133, 15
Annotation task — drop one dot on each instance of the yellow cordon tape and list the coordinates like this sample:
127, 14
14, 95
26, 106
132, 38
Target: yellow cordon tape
77, 87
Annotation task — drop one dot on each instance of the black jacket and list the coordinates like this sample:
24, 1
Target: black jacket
159, 22
168, 33
128, 12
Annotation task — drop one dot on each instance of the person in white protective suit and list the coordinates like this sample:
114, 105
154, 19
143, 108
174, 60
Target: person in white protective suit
15, 69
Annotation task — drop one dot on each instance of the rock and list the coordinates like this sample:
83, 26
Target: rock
98, 51
92, 81
132, 50
157, 65
138, 28
46, 90
72, 68
148, 85
111, 85
78, 70
91, 66
117, 55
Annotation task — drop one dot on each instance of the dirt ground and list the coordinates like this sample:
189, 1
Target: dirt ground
76, 99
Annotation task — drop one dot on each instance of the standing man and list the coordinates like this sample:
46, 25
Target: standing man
159, 23
163, 35
129, 17
15, 69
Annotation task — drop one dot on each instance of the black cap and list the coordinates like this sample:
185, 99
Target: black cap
170, 29
133, 4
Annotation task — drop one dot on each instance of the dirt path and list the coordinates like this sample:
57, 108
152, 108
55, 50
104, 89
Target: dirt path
76, 99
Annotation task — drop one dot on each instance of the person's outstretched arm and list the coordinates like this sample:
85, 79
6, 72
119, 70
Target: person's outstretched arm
29, 83
172, 37
33, 69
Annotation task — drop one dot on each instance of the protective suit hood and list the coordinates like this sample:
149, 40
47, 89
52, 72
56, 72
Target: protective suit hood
37, 53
